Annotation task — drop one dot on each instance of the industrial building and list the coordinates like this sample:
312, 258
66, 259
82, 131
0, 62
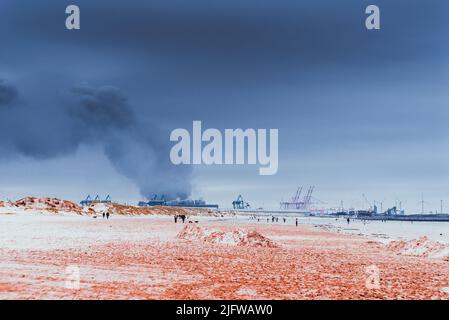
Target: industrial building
186, 203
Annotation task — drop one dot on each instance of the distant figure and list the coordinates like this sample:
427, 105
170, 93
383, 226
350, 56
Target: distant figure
258, 219
183, 218
176, 218
268, 219
284, 219
348, 220
272, 219
296, 221
104, 214
107, 215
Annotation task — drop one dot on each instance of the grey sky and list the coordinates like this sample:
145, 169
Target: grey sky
357, 110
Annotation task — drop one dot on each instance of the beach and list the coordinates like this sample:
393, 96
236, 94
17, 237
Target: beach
151, 257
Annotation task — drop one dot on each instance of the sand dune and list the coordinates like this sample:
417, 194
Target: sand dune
56, 206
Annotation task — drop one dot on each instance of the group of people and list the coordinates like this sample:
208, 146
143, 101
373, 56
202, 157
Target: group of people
276, 219
106, 215
180, 216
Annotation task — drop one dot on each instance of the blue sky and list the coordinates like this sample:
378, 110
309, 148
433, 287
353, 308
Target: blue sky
358, 111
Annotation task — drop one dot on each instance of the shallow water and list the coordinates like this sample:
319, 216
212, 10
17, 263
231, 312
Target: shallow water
438, 231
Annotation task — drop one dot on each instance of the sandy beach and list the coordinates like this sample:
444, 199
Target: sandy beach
151, 257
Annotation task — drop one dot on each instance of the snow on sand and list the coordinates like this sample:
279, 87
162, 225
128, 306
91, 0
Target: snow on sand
151, 257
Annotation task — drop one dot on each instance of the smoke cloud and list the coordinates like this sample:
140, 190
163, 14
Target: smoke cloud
8, 93
137, 150
99, 116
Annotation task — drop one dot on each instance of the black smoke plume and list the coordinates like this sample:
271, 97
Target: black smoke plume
99, 116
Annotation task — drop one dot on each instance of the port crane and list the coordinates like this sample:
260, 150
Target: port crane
367, 202
298, 204
422, 203
239, 203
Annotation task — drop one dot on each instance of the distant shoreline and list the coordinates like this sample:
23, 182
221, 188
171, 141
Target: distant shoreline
418, 218
410, 217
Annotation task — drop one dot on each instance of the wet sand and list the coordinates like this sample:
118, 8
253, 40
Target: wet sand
142, 258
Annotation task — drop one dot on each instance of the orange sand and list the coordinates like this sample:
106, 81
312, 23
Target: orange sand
306, 264
50, 204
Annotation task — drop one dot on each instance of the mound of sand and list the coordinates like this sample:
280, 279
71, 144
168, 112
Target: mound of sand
53, 205
193, 232
422, 247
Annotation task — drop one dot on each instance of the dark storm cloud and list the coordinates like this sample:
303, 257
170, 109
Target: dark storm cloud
307, 67
8, 93
196, 53
275, 33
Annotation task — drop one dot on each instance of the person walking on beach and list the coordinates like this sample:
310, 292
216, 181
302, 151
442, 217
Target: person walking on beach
107, 215
348, 220
103, 214
296, 221
284, 219
176, 218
